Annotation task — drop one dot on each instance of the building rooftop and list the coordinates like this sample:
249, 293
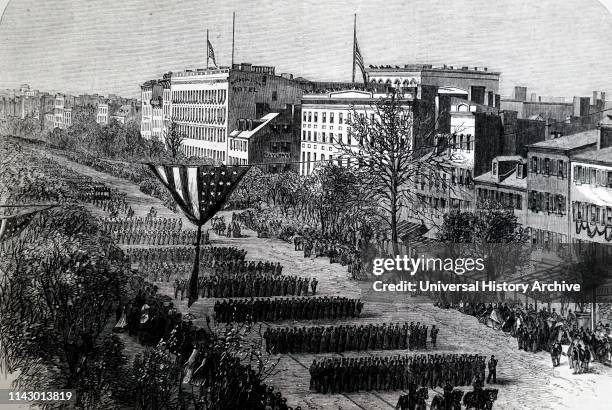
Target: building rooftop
429, 67
347, 96
600, 156
569, 142
510, 181
263, 121
506, 158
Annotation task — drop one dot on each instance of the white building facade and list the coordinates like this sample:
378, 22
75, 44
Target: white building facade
200, 109
324, 124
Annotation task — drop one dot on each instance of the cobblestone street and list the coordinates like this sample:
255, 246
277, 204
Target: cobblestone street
525, 380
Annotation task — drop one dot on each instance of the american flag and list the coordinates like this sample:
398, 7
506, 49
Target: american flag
359, 60
12, 225
200, 191
211, 53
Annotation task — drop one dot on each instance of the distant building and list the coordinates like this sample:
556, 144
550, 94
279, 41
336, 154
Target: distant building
475, 84
475, 140
273, 141
60, 101
207, 103
102, 113
156, 100
557, 112
324, 123
505, 185
548, 186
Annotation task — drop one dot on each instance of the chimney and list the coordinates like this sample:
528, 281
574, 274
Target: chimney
594, 101
603, 98
576, 112
520, 93
486, 69
534, 97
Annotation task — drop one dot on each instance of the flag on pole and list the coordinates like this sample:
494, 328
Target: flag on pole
200, 192
359, 60
12, 225
211, 53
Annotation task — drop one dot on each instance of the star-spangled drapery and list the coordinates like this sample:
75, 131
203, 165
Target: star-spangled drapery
11, 225
200, 192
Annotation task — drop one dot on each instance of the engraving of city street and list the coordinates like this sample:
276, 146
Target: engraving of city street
221, 204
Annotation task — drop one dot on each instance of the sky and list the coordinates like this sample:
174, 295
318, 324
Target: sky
554, 47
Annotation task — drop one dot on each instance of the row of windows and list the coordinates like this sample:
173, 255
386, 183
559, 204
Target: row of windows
309, 116
547, 202
547, 240
441, 180
592, 176
583, 211
324, 137
199, 96
200, 114
444, 203
237, 161
506, 199
548, 167
462, 142
211, 134
237, 145
190, 151
310, 163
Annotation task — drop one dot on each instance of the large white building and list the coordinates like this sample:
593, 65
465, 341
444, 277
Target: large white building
207, 104
324, 123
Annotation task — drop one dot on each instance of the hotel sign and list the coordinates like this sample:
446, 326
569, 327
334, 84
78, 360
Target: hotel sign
268, 154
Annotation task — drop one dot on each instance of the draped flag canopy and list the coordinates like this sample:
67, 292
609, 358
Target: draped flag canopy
11, 225
200, 191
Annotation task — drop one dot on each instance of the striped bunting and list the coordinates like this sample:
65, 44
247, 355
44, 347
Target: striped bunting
200, 191
12, 225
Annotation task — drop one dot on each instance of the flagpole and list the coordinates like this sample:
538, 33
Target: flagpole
207, 50
233, 35
354, 44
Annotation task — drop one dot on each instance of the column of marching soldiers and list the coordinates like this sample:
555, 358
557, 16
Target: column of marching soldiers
257, 291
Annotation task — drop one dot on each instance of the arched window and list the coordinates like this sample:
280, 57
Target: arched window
462, 107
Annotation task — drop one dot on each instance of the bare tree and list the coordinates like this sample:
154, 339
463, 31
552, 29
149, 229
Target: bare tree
396, 144
174, 139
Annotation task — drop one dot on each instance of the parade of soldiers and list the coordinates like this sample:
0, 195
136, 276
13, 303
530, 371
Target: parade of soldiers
249, 285
329, 339
270, 310
145, 236
208, 255
337, 375
140, 223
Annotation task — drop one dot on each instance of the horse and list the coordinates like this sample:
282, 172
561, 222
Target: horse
438, 403
298, 243
480, 400
421, 395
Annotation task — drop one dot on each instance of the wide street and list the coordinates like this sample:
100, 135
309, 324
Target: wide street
525, 380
